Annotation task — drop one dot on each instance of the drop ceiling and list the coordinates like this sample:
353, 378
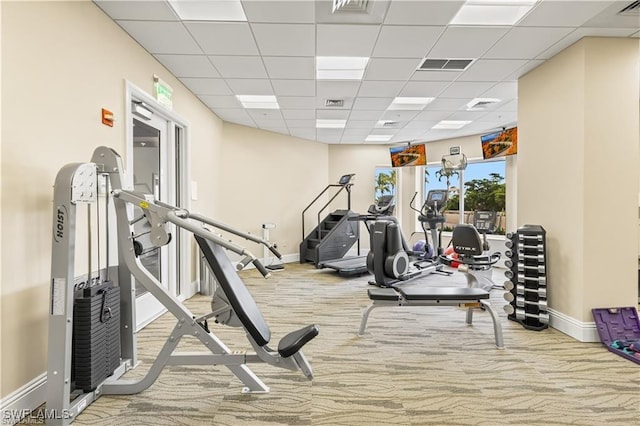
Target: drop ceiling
273, 53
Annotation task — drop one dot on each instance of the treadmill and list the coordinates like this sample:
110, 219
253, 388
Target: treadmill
357, 265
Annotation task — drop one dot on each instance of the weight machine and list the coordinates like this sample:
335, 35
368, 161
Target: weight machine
232, 303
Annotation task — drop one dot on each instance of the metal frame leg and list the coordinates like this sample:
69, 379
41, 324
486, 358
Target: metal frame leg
365, 317
497, 327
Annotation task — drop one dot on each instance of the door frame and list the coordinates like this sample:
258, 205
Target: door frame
134, 93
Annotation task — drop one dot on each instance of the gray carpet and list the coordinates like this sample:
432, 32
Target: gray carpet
413, 366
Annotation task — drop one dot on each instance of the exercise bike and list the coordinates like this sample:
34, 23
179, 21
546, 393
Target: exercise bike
470, 243
390, 259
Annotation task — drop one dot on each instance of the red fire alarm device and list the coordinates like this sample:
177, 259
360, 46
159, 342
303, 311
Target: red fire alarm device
107, 117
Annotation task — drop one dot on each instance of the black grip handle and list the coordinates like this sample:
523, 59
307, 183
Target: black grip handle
260, 267
275, 251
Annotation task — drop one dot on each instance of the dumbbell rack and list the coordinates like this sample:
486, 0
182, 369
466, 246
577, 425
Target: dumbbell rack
527, 277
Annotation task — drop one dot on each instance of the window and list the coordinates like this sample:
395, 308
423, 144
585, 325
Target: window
385, 181
485, 189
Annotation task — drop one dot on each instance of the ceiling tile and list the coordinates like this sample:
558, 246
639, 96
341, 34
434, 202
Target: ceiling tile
234, 115
432, 116
466, 42
161, 37
448, 104
422, 12
408, 135
328, 135
285, 39
291, 123
303, 133
429, 89
294, 87
510, 106
503, 117
332, 114
297, 114
372, 104
397, 115
355, 135
406, 41
237, 37
297, 102
220, 101
239, 66
465, 89
526, 42
467, 115
346, 40
207, 86
138, 10
422, 125
290, 67
188, 65
424, 75
491, 69
390, 69
563, 13
249, 86
275, 129
365, 115
279, 11
260, 115
361, 124
506, 90
336, 89
374, 89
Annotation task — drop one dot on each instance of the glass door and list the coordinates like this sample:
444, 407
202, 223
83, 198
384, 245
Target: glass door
151, 175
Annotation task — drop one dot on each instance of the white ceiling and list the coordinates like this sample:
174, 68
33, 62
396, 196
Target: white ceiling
274, 54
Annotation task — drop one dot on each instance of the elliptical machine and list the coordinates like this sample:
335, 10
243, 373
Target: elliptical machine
391, 260
431, 214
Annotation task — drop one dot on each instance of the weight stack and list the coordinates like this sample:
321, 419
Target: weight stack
96, 335
527, 277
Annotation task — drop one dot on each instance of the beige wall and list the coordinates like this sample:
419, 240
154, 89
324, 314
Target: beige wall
62, 63
578, 153
269, 178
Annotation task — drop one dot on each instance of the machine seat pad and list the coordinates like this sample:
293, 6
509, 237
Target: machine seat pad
443, 293
383, 294
294, 341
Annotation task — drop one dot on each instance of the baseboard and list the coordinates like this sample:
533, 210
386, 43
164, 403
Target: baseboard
23, 401
581, 331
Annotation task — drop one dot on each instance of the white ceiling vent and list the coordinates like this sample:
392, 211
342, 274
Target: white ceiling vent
334, 103
632, 9
357, 6
481, 104
444, 64
388, 124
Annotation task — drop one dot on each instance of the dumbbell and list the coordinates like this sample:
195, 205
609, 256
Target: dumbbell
509, 253
537, 257
539, 269
510, 235
541, 292
522, 247
521, 314
523, 279
538, 238
521, 302
509, 285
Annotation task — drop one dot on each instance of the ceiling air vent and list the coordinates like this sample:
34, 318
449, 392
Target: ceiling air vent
359, 6
444, 64
481, 104
334, 103
632, 9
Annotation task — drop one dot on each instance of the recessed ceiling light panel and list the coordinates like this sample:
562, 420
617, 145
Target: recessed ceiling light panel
492, 12
330, 124
450, 125
378, 138
410, 103
202, 10
258, 102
